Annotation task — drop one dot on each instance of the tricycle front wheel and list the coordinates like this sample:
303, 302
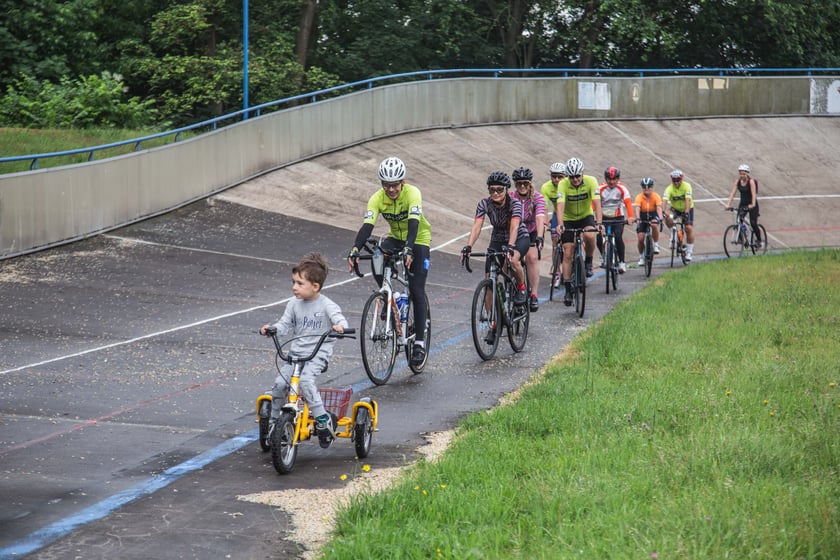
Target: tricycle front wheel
283, 444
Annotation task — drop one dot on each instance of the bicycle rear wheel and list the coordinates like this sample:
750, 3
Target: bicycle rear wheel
519, 318
556, 269
378, 339
648, 253
485, 321
580, 284
418, 368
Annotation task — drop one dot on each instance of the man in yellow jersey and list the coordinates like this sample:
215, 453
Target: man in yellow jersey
579, 205
680, 203
402, 207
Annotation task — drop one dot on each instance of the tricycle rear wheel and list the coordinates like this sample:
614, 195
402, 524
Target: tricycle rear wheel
362, 432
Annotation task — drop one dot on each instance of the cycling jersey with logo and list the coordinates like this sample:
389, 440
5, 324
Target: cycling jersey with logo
577, 201
407, 206
677, 195
612, 201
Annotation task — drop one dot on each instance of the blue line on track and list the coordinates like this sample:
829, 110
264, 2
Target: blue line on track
51, 533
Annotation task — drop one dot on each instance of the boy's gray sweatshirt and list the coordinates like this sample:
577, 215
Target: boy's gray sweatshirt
310, 318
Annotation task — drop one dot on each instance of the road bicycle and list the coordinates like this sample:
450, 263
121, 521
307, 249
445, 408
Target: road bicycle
388, 316
676, 241
740, 236
493, 307
647, 251
579, 271
295, 425
611, 260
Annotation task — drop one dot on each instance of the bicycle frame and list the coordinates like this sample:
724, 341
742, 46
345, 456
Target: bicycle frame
384, 328
493, 306
742, 234
579, 269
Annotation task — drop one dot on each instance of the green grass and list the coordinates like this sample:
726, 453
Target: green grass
24, 141
698, 419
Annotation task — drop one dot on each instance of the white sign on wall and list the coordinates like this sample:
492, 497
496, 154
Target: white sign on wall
594, 95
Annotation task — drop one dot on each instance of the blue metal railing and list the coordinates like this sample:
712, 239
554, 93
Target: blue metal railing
370, 83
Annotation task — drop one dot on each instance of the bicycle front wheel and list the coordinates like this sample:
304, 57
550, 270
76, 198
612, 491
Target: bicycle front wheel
673, 246
753, 241
556, 270
580, 284
283, 445
517, 328
648, 254
486, 325
378, 339
733, 242
411, 336
612, 265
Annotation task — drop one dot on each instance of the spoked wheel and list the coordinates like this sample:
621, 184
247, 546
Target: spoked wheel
580, 285
673, 246
753, 241
283, 446
732, 242
418, 368
648, 254
486, 326
265, 416
378, 340
517, 328
362, 431
611, 261
556, 269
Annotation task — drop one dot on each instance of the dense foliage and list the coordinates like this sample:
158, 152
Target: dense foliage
184, 57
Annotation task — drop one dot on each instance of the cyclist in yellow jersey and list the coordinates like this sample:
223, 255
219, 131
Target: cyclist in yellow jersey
579, 204
678, 199
402, 207
549, 192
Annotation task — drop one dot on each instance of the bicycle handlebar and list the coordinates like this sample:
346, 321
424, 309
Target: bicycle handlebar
488, 253
369, 246
272, 332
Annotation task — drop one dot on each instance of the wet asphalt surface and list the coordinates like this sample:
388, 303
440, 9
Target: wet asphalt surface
133, 352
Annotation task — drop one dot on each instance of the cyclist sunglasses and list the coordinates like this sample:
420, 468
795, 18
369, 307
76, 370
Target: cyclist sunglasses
495, 190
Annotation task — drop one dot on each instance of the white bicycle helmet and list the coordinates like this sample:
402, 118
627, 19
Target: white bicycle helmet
744, 167
391, 169
557, 168
676, 174
574, 167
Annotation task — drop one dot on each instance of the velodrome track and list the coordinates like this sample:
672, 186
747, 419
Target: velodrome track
130, 363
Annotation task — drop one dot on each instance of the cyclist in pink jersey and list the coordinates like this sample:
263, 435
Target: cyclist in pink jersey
533, 211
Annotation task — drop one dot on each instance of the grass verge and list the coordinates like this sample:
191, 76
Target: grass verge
24, 141
698, 419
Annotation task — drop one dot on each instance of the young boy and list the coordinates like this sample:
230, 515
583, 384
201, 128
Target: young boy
309, 314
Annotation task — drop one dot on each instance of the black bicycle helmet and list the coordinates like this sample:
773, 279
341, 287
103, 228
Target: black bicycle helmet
647, 182
498, 178
523, 174
612, 173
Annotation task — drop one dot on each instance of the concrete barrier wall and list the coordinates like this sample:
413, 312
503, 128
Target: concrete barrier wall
42, 208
